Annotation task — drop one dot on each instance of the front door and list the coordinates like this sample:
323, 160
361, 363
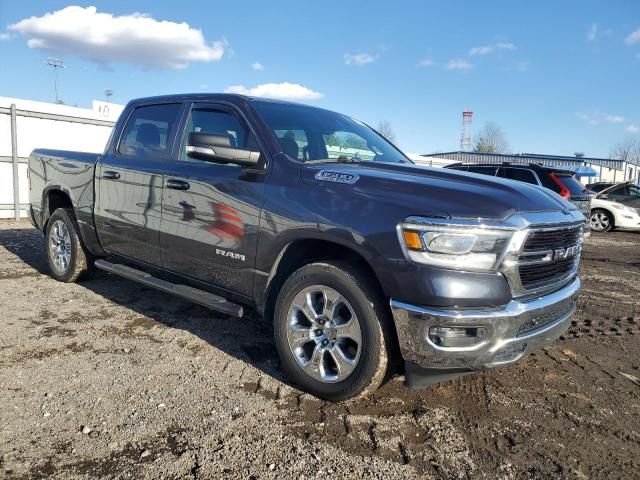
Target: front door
211, 211
129, 182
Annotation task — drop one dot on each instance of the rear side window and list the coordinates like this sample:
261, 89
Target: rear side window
563, 184
148, 130
519, 174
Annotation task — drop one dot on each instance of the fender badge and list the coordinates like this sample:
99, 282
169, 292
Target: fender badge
336, 177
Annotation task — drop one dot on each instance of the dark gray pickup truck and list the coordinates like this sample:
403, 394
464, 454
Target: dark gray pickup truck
365, 262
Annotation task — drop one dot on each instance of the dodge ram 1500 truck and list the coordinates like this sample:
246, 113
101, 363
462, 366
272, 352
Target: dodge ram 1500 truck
362, 259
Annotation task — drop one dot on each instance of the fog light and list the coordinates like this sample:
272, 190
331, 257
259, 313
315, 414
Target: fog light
457, 336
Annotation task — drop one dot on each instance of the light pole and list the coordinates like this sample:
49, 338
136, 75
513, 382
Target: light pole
107, 93
56, 63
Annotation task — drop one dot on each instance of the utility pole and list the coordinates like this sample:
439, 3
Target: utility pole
56, 63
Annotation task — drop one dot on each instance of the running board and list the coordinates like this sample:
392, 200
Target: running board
206, 299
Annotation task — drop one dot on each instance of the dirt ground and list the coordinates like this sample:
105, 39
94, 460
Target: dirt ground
112, 380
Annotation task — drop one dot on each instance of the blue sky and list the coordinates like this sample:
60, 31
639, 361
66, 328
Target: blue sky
558, 77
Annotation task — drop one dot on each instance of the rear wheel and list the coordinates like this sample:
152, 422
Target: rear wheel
332, 331
601, 220
67, 257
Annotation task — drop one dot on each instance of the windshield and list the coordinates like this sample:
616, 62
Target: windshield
623, 194
313, 135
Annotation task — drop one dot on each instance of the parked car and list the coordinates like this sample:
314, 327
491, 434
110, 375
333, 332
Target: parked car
616, 207
561, 181
234, 202
597, 187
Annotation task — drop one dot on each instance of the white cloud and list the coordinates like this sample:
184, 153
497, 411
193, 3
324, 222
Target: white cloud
614, 118
458, 64
359, 59
634, 37
487, 49
426, 62
593, 32
632, 129
104, 38
596, 117
257, 66
282, 91
4, 36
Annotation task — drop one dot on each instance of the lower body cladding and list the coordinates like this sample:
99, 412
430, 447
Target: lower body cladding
441, 344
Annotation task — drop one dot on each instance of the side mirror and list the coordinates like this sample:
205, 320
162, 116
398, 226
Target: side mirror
212, 147
604, 197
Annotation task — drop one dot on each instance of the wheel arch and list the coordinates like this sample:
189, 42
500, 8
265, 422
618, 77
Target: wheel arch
54, 197
301, 252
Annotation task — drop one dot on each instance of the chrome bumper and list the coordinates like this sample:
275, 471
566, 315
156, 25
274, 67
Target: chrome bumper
509, 332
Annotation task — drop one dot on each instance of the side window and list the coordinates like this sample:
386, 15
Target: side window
147, 131
520, 174
210, 120
294, 143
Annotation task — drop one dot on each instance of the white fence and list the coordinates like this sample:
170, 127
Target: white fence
26, 125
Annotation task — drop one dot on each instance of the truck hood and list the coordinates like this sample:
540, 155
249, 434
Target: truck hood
437, 192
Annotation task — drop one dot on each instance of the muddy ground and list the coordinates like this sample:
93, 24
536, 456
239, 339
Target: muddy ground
108, 379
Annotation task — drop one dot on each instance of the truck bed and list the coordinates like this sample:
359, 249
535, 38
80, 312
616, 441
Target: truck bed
68, 171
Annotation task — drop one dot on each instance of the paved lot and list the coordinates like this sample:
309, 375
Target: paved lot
109, 379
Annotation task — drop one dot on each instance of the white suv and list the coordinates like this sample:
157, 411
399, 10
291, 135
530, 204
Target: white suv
616, 207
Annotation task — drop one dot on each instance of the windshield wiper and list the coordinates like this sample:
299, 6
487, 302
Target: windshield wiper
340, 159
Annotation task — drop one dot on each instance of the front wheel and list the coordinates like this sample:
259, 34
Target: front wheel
601, 221
332, 331
67, 258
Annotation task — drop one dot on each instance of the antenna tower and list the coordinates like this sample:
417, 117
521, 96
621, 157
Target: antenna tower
465, 136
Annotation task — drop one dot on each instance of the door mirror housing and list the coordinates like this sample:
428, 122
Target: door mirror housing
603, 196
217, 148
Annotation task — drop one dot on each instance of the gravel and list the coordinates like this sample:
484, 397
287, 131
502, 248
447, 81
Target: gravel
141, 385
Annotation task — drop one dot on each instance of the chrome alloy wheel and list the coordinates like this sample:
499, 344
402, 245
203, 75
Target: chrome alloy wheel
599, 221
324, 334
60, 246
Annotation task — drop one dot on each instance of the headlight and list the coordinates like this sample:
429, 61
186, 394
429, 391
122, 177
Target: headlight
469, 248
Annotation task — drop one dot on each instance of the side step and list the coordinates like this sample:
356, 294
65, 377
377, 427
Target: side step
206, 299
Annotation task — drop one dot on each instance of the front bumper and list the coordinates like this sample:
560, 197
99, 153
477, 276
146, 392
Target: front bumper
509, 332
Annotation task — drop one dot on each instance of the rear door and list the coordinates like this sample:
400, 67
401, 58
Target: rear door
211, 211
129, 182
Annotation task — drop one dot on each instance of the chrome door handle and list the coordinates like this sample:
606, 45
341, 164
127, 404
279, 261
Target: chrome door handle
110, 174
177, 184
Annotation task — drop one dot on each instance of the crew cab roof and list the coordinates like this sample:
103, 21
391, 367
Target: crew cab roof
213, 97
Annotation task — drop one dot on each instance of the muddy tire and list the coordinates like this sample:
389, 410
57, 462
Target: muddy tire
66, 255
333, 331
601, 220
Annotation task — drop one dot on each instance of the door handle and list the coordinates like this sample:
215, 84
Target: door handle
177, 184
110, 174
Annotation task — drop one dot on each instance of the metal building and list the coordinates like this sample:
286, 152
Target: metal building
604, 169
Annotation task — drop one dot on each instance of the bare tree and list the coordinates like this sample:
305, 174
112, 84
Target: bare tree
627, 150
491, 139
384, 129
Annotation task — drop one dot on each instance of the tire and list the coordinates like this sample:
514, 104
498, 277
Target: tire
351, 356
66, 255
601, 220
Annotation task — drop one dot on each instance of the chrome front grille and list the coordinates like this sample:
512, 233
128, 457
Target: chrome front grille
537, 274
553, 239
548, 258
